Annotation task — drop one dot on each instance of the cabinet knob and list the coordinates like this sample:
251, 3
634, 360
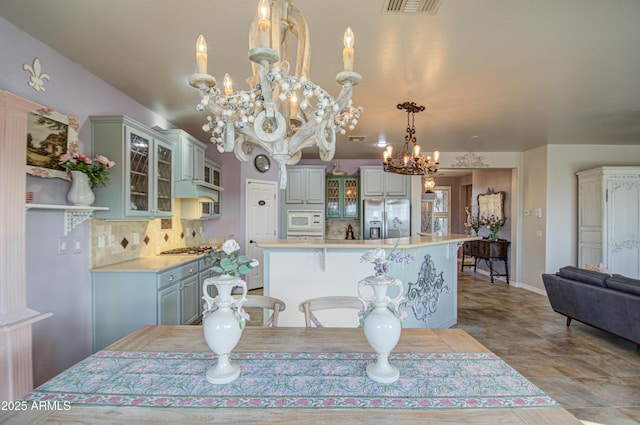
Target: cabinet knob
171, 278
190, 269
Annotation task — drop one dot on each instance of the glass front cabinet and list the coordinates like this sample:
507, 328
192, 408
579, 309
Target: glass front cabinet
342, 197
141, 182
211, 175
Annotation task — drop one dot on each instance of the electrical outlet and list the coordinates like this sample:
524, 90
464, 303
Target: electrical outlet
101, 241
136, 238
77, 246
62, 246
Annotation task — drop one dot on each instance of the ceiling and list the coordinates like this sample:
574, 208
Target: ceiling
494, 75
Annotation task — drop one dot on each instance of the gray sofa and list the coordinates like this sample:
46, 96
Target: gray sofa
610, 303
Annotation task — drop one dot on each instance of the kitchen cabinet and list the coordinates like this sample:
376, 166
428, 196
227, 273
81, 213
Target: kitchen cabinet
190, 155
212, 174
141, 183
123, 301
205, 272
342, 201
377, 183
198, 208
305, 185
609, 219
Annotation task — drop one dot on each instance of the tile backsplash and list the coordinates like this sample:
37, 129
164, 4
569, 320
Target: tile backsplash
337, 229
114, 241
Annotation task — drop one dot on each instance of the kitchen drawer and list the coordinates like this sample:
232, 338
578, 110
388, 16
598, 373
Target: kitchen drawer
175, 275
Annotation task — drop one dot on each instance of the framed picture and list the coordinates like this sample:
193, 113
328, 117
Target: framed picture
49, 135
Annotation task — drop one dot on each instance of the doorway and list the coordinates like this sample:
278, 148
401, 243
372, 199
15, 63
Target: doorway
436, 212
261, 224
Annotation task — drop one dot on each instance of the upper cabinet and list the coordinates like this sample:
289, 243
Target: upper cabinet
190, 153
197, 181
342, 197
141, 182
376, 183
305, 185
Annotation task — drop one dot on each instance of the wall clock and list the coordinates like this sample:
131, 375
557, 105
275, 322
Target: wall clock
262, 163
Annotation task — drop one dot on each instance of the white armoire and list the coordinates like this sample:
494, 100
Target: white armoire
609, 219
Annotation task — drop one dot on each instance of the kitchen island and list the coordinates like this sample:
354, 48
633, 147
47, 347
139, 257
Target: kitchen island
295, 270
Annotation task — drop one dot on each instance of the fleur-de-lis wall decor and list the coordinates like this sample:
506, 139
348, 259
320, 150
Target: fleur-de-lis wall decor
36, 81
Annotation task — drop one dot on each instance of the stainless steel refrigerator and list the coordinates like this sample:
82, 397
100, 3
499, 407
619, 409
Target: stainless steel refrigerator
378, 217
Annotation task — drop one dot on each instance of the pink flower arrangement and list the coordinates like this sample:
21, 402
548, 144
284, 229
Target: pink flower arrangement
96, 169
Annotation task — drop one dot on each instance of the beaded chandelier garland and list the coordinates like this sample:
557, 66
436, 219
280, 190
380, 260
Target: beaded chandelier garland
410, 161
270, 114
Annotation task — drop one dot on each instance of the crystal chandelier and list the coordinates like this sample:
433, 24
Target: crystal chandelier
281, 113
410, 160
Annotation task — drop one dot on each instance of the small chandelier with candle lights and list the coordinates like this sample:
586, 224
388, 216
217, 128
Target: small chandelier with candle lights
410, 160
281, 113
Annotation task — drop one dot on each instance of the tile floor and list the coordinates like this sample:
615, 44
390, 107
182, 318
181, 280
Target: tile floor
593, 374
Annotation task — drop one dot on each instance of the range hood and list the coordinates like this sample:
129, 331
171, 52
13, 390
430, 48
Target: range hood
196, 189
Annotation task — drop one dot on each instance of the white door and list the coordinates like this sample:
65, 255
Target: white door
261, 224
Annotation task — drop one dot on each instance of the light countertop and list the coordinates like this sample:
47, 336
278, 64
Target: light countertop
424, 239
155, 264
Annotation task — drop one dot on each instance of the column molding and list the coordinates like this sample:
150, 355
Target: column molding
15, 317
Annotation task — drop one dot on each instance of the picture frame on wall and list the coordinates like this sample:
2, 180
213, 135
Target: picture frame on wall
49, 135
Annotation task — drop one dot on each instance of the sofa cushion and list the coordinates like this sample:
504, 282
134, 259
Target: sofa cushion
585, 276
624, 284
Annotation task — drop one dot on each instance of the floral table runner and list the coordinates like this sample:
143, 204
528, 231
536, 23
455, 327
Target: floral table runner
294, 380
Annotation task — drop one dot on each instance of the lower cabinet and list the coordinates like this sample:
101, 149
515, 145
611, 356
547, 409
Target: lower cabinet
178, 304
205, 273
124, 301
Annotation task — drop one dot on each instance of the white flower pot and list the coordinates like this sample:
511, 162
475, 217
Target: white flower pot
80, 192
381, 326
223, 325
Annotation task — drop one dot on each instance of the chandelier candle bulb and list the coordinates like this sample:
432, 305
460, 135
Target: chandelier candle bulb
228, 85
348, 56
416, 151
436, 156
264, 24
294, 106
201, 54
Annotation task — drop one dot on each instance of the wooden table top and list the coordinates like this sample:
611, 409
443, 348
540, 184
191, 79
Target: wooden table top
257, 339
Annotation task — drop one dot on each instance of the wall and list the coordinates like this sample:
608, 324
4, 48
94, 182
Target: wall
534, 234
562, 194
496, 181
59, 283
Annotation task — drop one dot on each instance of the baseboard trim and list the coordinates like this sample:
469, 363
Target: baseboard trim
520, 285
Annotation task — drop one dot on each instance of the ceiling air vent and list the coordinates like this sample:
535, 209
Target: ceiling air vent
356, 138
425, 7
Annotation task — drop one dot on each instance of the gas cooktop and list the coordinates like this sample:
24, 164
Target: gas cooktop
188, 250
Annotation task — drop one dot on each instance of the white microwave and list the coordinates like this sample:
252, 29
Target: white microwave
305, 222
